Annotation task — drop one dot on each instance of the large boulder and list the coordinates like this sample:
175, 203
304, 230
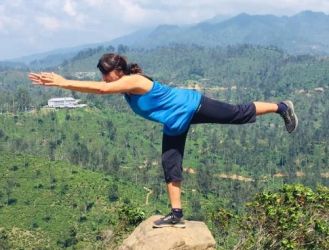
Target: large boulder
195, 236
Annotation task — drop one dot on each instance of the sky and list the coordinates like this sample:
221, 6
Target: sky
34, 26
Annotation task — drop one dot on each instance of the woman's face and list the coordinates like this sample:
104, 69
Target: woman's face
112, 76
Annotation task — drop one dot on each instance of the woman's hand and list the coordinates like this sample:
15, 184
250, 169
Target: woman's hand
47, 79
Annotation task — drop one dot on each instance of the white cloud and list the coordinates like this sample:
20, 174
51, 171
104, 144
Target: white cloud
69, 8
62, 23
132, 12
49, 6
14, 3
193, 10
49, 23
32, 39
94, 2
10, 24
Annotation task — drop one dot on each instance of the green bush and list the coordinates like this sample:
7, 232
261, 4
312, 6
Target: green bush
131, 215
295, 217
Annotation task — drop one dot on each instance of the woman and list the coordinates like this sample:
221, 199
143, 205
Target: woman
175, 108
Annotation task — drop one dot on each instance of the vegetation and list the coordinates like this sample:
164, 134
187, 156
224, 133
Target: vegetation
52, 204
79, 178
294, 217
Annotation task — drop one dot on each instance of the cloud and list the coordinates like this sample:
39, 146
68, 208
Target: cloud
94, 3
10, 24
196, 10
69, 8
61, 23
133, 13
49, 23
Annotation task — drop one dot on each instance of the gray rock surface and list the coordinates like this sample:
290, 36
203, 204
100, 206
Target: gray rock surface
196, 236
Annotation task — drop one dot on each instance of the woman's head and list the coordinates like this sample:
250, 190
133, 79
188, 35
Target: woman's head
114, 66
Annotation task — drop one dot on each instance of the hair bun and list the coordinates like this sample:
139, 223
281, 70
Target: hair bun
133, 68
129, 68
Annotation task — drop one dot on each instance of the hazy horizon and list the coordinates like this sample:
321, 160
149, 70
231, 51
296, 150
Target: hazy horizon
34, 27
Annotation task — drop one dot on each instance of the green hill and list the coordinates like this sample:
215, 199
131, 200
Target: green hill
55, 205
68, 175
52, 204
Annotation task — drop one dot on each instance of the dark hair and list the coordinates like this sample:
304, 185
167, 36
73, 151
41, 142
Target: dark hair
111, 61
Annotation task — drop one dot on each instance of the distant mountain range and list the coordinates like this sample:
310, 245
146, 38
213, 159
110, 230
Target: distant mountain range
46, 59
303, 33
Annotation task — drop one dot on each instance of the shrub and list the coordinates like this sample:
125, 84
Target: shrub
131, 215
295, 217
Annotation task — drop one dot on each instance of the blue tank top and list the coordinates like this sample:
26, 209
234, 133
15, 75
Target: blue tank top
172, 107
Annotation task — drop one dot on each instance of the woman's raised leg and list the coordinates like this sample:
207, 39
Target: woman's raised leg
214, 111
265, 108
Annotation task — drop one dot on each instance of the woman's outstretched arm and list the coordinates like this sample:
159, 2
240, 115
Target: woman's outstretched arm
124, 85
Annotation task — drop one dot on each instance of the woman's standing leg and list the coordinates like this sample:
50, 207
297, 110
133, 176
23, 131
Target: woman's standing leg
174, 194
172, 159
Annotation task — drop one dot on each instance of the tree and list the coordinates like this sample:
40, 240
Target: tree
10, 184
204, 176
122, 49
196, 207
113, 193
4, 242
70, 239
52, 149
23, 99
111, 129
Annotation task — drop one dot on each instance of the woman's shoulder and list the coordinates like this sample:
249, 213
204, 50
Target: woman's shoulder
139, 77
142, 83
148, 77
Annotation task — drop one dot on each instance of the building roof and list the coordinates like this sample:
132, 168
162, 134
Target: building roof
62, 99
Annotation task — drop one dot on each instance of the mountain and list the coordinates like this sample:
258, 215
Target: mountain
66, 52
218, 19
304, 33
47, 59
132, 38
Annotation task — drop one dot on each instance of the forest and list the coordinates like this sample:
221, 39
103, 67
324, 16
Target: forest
97, 164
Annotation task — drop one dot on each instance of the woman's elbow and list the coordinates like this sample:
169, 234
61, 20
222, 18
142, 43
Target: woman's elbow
107, 90
103, 92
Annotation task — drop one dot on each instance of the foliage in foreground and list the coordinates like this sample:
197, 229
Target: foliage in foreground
295, 217
83, 209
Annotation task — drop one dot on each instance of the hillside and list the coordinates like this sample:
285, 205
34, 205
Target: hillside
304, 33
263, 68
233, 74
61, 151
53, 204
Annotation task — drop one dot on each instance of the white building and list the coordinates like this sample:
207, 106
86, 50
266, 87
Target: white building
64, 102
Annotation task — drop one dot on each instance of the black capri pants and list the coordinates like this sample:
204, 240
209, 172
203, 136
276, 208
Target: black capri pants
209, 111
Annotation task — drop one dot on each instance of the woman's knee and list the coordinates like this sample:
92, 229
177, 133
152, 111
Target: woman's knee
246, 113
172, 165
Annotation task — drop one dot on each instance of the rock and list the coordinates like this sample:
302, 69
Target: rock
106, 236
195, 236
319, 90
